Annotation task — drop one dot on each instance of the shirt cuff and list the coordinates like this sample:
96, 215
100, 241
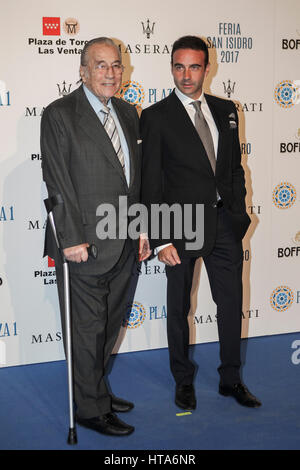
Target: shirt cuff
161, 247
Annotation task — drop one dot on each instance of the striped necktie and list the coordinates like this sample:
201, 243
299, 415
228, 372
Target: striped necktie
204, 134
111, 129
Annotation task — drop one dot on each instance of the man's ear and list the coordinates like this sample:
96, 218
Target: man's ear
207, 69
82, 73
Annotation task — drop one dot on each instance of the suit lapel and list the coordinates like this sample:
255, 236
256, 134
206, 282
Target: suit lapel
90, 123
220, 121
184, 126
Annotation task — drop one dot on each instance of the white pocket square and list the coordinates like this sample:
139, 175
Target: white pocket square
232, 121
139, 141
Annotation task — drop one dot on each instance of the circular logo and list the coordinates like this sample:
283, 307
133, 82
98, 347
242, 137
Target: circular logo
132, 92
135, 315
284, 195
285, 94
281, 298
296, 238
71, 26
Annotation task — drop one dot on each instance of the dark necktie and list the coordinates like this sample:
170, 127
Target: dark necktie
204, 134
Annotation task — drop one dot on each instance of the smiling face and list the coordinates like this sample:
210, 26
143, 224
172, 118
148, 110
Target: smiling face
100, 74
189, 71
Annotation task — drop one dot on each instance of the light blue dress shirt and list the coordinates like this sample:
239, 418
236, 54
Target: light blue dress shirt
97, 107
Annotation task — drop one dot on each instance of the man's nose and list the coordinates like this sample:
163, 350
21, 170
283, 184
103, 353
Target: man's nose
109, 71
187, 73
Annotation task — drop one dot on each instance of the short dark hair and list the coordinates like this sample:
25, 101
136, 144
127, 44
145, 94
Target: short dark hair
101, 40
190, 42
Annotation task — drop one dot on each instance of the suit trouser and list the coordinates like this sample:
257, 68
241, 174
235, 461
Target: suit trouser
224, 268
98, 306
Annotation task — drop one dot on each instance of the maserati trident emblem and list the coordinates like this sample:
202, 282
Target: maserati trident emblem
148, 30
229, 89
63, 91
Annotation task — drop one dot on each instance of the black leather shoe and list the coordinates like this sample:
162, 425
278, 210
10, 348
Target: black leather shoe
107, 424
242, 395
118, 405
185, 397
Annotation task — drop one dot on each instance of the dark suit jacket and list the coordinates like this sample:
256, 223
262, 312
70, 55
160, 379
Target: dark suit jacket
176, 168
80, 164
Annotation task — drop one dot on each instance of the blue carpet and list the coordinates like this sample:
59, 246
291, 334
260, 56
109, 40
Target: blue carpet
34, 408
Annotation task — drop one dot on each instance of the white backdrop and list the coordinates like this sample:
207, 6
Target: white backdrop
254, 54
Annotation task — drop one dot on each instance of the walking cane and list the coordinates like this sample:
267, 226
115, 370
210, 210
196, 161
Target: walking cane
50, 203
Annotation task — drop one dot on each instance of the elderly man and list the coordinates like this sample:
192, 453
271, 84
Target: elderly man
91, 156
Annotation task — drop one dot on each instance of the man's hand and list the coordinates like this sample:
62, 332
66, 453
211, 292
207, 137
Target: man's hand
144, 248
169, 256
77, 253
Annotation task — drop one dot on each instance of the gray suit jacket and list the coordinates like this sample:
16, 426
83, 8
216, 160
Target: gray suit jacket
80, 164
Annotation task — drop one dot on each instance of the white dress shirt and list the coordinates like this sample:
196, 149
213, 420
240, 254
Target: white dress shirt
186, 101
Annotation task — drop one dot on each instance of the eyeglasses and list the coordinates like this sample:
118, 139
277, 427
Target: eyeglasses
116, 68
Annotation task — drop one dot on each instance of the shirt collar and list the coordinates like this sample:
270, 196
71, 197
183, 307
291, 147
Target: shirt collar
186, 100
94, 100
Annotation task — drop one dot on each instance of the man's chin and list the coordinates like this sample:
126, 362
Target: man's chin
190, 91
105, 97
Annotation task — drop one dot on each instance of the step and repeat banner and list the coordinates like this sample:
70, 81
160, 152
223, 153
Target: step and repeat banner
254, 53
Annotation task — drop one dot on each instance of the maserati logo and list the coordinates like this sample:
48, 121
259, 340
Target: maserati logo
147, 29
63, 91
229, 89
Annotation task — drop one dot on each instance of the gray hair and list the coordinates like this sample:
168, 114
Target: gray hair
101, 40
